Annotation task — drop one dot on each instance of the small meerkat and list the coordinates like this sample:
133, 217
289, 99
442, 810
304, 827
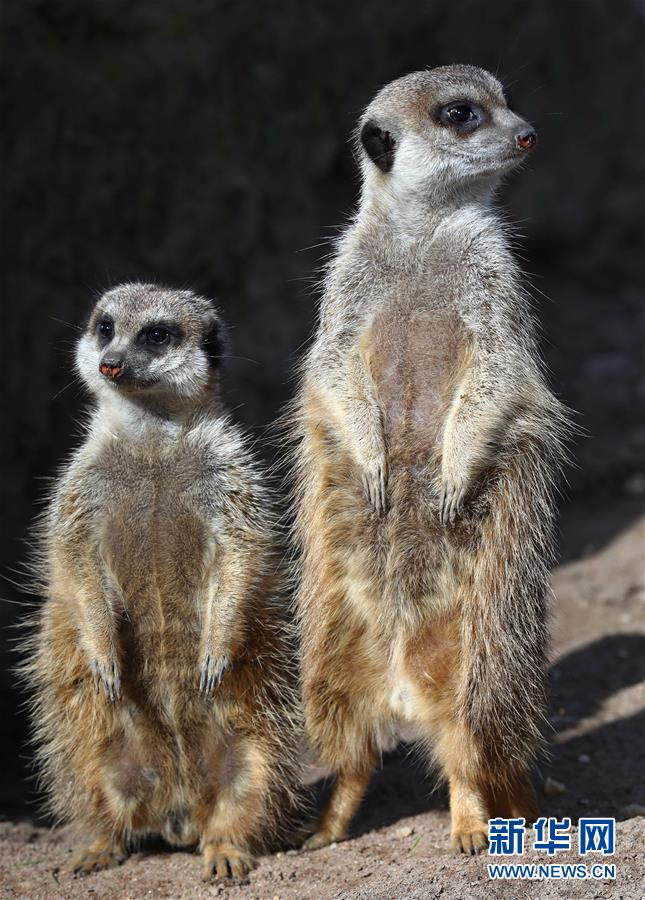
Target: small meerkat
428, 446
163, 700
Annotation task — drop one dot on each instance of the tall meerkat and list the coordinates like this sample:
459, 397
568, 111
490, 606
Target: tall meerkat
428, 447
159, 667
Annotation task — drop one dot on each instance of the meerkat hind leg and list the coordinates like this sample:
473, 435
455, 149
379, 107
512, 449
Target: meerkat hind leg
432, 659
472, 806
346, 796
238, 814
468, 784
468, 817
103, 853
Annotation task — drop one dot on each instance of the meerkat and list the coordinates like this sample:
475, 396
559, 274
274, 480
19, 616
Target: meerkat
428, 448
160, 663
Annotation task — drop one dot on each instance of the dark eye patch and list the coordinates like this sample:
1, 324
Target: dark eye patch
104, 330
158, 336
461, 115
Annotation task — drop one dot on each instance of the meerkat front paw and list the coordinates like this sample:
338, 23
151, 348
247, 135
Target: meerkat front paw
105, 673
374, 478
212, 671
451, 499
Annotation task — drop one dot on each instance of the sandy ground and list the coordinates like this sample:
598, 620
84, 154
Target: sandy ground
399, 846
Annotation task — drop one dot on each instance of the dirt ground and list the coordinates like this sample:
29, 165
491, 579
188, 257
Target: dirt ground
399, 846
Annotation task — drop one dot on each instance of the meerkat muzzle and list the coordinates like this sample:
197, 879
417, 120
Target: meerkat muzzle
110, 371
526, 140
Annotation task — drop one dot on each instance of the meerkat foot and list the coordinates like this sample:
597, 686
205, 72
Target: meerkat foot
451, 501
224, 861
470, 842
318, 840
322, 838
101, 854
106, 677
212, 671
374, 479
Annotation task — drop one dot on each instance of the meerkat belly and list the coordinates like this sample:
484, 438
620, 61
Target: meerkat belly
157, 556
400, 692
402, 695
416, 359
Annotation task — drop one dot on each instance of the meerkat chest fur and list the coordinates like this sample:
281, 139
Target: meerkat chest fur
414, 345
411, 321
155, 503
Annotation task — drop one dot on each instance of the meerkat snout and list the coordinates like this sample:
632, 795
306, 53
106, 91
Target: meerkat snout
111, 367
526, 139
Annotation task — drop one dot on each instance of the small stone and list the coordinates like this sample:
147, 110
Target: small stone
404, 832
553, 788
632, 810
584, 758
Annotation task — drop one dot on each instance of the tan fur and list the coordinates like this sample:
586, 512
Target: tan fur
158, 574
428, 447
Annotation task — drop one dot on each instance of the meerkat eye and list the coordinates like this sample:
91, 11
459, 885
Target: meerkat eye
157, 335
461, 114
105, 329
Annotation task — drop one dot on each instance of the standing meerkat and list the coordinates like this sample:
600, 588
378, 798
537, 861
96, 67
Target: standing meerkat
428, 447
163, 701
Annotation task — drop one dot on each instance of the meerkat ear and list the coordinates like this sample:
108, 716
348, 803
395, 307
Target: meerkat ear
214, 341
379, 145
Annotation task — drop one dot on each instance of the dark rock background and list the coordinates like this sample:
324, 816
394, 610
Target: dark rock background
205, 143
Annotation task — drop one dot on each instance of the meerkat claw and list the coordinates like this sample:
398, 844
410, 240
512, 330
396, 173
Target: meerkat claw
374, 485
212, 672
107, 676
451, 503
226, 864
470, 843
98, 856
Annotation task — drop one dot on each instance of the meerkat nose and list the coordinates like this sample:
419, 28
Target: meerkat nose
525, 140
111, 368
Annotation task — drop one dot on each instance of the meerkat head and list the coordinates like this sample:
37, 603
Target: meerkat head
151, 341
448, 127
